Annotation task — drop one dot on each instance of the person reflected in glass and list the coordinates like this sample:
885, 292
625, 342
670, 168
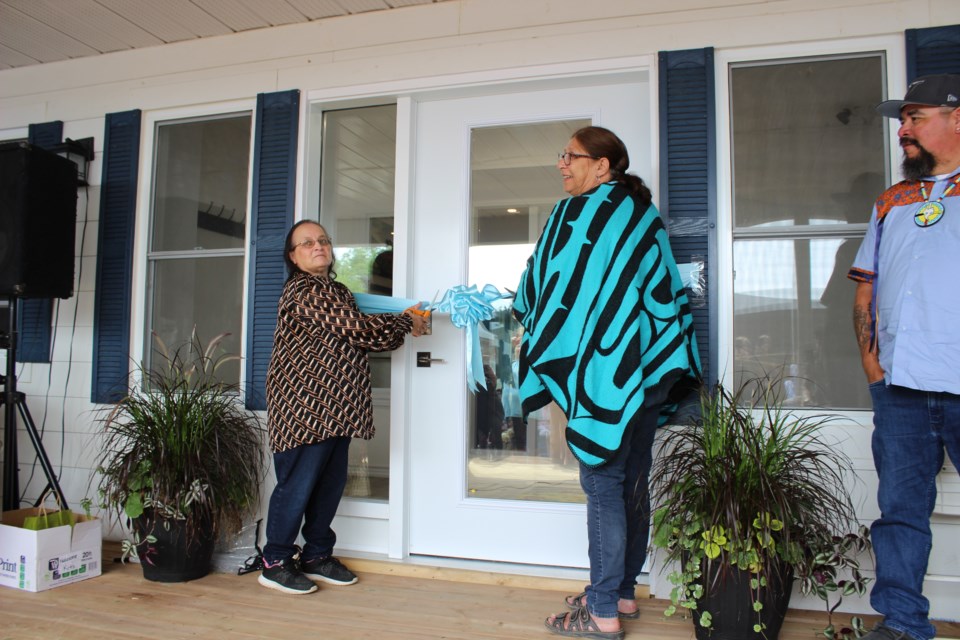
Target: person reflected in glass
489, 412
381, 272
318, 398
608, 337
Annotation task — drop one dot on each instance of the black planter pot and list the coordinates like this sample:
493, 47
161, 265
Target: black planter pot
176, 556
729, 599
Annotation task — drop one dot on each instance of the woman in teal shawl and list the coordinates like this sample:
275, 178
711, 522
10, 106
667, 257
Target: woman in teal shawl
609, 337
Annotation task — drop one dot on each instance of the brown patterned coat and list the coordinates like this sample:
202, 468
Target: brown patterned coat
318, 381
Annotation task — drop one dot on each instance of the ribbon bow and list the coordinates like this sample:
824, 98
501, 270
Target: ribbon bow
467, 306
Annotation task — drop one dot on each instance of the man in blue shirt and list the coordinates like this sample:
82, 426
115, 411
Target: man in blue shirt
906, 313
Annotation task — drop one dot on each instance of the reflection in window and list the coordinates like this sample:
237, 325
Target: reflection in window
514, 185
198, 231
358, 161
806, 173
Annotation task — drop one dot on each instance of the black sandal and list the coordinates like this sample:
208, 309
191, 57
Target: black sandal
579, 601
580, 625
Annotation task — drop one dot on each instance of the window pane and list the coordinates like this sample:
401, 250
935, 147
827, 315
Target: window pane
793, 315
514, 185
808, 146
200, 191
202, 294
358, 161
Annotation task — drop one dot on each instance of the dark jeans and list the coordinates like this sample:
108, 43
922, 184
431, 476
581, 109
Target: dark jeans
618, 517
911, 429
310, 483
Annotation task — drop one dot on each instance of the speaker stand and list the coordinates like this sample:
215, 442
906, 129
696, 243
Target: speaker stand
15, 402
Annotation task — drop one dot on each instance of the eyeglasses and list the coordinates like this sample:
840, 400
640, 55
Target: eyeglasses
309, 242
567, 157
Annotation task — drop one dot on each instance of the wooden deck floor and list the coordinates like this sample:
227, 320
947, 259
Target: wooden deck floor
389, 602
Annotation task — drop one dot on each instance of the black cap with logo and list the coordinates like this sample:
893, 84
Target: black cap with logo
941, 90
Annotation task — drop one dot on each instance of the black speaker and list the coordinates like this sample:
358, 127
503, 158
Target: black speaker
38, 222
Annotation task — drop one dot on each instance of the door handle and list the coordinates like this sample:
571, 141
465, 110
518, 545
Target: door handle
424, 359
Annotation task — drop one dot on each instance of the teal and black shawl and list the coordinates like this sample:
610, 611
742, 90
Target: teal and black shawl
605, 315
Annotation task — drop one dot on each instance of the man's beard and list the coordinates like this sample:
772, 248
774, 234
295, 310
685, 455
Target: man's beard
919, 167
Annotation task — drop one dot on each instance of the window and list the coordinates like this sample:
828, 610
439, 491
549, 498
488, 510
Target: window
809, 159
198, 234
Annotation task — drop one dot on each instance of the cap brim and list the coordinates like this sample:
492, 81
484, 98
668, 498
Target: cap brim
891, 108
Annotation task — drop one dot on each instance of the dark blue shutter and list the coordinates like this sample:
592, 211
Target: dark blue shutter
933, 50
274, 179
688, 193
36, 314
118, 201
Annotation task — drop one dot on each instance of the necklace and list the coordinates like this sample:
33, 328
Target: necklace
931, 212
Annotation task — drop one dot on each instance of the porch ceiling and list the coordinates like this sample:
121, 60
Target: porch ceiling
38, 31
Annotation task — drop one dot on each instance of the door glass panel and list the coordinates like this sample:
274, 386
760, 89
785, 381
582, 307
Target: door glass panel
514, 184
358, 161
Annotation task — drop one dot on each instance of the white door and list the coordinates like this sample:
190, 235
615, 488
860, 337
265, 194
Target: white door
482, 484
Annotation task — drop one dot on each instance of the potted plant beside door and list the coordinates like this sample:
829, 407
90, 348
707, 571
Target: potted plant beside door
181, 460
744, 498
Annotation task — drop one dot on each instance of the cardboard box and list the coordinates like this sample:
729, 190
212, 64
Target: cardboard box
41, 560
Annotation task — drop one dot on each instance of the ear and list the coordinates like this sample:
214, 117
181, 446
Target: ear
603, 167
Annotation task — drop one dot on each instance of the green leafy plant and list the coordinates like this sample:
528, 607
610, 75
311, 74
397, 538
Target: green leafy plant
753, 487
180, 445
830, 570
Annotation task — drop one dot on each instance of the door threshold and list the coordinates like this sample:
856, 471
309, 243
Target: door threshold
505, 574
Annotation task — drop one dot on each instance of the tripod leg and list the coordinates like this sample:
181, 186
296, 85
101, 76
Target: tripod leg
11, 481
52, 481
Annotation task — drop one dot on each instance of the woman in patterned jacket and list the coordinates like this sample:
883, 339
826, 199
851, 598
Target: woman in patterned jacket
608, 335
318, 398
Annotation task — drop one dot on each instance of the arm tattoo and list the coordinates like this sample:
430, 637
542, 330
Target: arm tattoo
862, 325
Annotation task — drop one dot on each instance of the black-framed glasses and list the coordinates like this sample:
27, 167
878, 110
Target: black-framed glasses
309, 242
567, 157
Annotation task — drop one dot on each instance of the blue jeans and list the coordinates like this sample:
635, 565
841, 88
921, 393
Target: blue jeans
310, 483
618, 517
911, 429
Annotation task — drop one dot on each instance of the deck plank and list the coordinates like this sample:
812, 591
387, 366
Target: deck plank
385, 604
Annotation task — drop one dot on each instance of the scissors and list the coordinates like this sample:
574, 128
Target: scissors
426, 312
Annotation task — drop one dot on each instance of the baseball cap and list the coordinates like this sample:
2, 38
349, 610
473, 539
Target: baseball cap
941, 90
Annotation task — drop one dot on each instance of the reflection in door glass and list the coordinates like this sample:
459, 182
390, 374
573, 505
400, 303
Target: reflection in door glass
513, 187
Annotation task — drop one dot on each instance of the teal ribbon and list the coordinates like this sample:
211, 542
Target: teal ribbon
373, 303
467, 306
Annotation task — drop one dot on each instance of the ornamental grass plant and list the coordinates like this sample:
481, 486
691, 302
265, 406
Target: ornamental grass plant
181, 446
751, 486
